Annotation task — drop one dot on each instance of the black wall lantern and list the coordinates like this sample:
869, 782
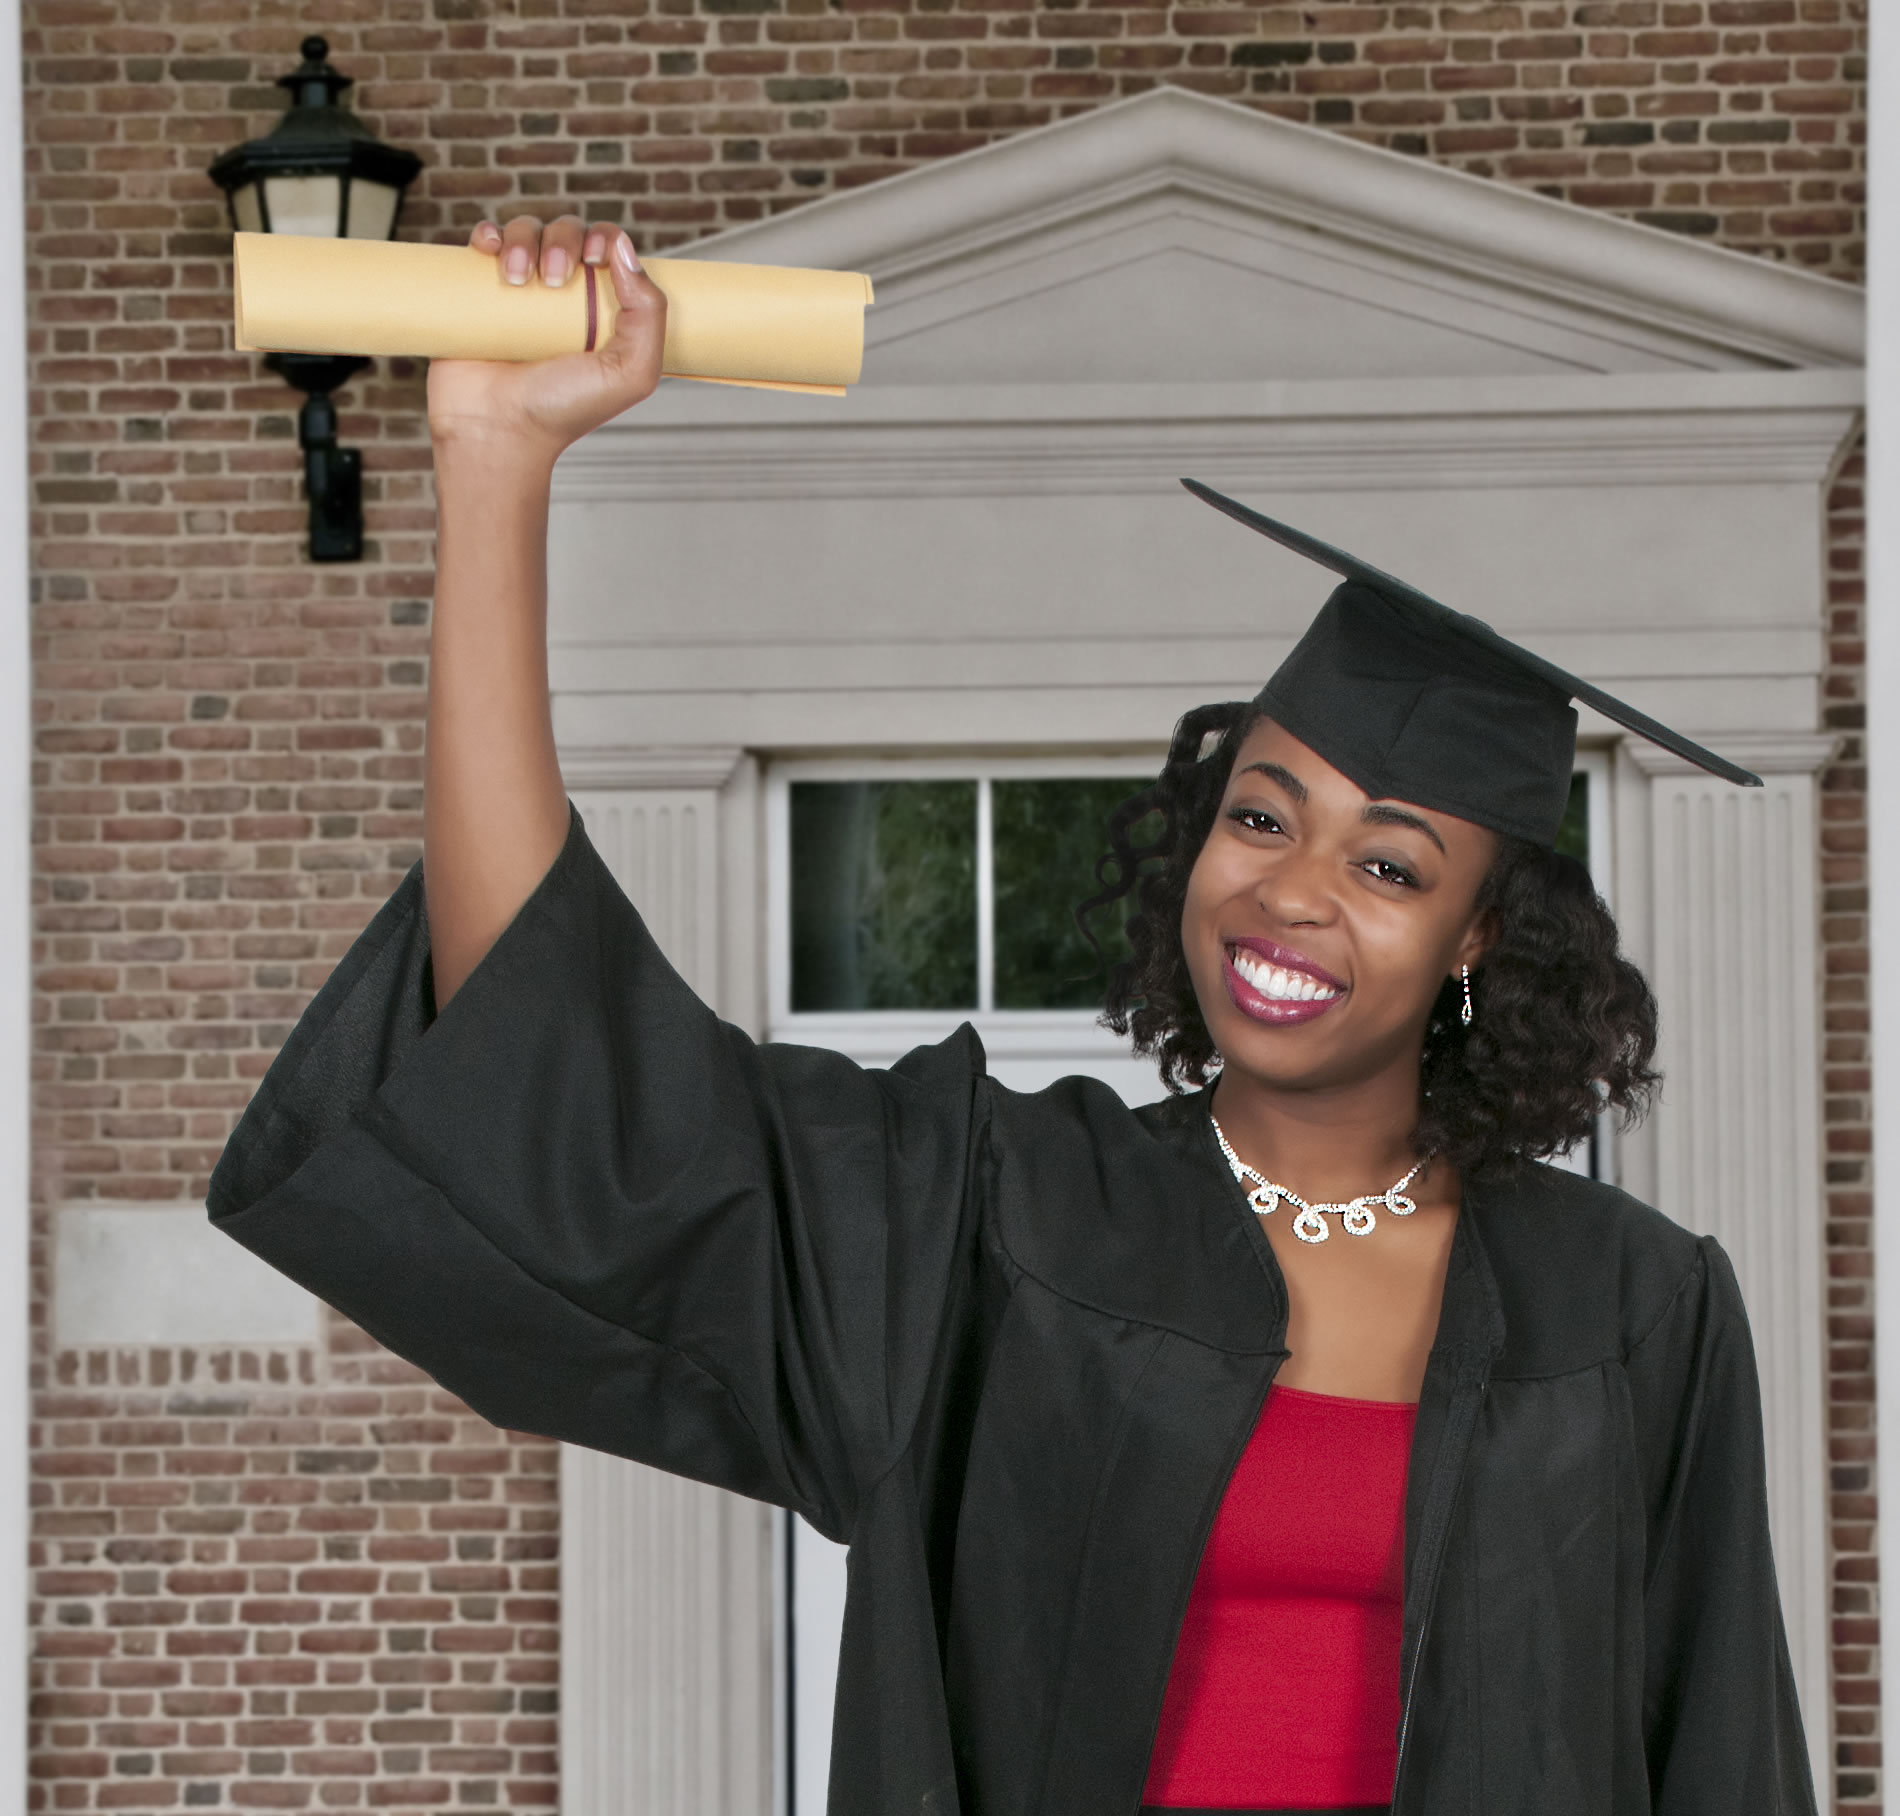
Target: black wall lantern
320, 171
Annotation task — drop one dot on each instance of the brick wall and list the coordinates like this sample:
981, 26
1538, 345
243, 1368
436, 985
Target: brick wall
279, 1581
312, 1581
1849, 1201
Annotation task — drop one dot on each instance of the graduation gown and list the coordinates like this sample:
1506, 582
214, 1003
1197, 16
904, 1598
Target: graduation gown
1009, 1348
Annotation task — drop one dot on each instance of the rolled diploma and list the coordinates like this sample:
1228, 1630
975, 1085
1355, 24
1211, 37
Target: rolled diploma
774, 326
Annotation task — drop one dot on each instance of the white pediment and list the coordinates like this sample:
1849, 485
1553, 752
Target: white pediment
1174, 238
1607, 439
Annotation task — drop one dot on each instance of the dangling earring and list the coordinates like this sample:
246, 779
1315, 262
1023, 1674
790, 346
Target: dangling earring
1464, 971
1212, 1069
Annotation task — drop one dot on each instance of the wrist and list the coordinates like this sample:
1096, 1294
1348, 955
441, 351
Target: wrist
486, 456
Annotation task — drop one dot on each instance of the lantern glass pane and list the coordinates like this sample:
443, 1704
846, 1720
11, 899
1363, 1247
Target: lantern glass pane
308, 205
372, 210
247, 210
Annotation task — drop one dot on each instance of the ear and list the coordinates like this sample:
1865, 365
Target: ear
1482, 929
1480, 935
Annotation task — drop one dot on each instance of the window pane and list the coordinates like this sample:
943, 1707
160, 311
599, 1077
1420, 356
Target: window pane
1047, 838
1573, 836
883, 895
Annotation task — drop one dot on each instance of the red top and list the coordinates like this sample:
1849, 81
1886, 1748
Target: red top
1285, 1686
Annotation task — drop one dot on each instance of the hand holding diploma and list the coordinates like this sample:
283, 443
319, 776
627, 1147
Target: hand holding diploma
537, 408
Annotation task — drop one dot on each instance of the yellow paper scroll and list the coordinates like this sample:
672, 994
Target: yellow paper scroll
769, 325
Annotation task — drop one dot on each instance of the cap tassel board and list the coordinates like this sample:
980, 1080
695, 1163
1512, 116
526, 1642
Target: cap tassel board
776, 327
1454, 628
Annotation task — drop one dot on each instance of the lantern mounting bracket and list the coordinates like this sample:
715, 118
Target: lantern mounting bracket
333, 476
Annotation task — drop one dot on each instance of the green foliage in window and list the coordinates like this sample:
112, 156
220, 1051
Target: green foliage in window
883, 895
1047, 837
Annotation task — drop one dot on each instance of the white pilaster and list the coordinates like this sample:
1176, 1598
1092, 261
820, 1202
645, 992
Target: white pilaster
653, 815
666, 1644
666, 1585
1733, 1149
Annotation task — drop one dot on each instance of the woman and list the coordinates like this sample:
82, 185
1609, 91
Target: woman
1495, 1541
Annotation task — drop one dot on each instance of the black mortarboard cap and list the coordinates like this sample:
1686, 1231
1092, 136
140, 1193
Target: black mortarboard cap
1416, 702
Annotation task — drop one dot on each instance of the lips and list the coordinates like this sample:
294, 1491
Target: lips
1273, 984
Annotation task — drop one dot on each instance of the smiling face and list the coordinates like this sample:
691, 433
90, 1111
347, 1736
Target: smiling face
1320, 924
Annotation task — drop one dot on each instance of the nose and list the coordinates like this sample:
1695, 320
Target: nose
1297, 889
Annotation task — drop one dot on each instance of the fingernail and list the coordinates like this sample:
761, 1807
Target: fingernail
514, 265
628, 259
554, 268
594, 251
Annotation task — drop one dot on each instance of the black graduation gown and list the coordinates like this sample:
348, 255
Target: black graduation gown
1010, 1347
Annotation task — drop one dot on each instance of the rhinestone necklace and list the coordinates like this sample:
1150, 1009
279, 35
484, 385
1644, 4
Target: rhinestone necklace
1310, 1224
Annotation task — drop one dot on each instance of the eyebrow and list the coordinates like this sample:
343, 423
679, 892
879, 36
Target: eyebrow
1381, 814
1275, 772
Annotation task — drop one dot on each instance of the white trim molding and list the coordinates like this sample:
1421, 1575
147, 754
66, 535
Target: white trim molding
977, 441
1766, 753
621, 768
1733, 1148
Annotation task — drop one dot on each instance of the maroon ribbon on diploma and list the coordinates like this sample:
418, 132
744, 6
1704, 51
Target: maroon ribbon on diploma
593, 311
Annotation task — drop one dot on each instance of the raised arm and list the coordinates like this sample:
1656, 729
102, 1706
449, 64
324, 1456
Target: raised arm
572, 1194
494, 809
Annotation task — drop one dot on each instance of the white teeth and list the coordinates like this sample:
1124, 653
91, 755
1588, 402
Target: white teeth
1278, 983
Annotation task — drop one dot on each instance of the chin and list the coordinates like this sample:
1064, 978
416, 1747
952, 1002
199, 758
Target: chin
1285, 1058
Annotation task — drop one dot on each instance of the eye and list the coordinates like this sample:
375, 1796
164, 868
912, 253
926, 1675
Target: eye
1255, 819
1385, 871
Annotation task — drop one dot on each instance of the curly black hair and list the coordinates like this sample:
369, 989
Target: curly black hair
1565, 1029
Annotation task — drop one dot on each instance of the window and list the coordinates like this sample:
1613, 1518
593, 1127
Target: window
908, 897
917, 894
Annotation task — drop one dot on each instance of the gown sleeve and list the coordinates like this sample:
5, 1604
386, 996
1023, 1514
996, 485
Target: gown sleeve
594, 1211
1722, 1727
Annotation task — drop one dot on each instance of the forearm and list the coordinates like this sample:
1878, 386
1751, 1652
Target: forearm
494, 809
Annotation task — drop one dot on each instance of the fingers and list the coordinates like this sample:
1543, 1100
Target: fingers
634, 349
633, 354
561, 249
598, 242
520, 248
525, 246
